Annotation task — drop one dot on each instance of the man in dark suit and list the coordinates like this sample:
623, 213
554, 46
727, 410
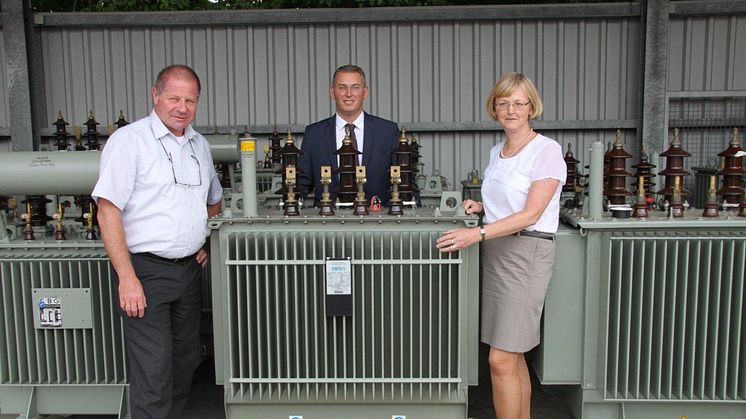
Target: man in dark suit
375, 137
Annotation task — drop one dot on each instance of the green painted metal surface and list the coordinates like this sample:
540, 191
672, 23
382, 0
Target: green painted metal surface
661, 328
409, 347
77, 367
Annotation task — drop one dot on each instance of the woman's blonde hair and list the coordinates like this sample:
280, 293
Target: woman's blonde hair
507, 85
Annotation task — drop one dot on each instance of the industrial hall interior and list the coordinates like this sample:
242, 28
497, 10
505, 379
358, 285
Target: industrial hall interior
443, 212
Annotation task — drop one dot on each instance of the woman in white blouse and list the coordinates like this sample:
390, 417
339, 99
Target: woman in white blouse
520, 191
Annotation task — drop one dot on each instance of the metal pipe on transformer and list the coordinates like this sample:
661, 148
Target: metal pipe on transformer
595, 183
75, 172
43, 173
224, 148
248, 176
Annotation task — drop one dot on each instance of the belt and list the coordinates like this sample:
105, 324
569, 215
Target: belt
537, 234
154, 256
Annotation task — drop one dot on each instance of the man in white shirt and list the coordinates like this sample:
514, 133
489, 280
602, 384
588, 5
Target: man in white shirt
156, 189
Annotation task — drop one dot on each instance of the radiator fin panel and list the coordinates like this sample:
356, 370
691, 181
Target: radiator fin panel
58, 356
401, 343
676, 317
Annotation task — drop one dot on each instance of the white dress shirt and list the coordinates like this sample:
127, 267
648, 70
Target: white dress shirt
162, 185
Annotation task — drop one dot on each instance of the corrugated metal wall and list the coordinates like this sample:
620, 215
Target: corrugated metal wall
4, 103
429, 75
418, 72
707, 53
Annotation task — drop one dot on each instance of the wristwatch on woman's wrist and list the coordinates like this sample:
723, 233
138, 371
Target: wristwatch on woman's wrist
483, 233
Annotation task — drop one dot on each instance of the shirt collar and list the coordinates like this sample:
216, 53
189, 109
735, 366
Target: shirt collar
160, 130
358, 121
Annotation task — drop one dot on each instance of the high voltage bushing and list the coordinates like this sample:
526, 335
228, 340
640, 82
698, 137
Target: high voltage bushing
91, 133
572, 170
403, 156
276, 148
61, 133
732, 170
121, 122
616, 189
289, 153
674, 167
644, 169
347, 189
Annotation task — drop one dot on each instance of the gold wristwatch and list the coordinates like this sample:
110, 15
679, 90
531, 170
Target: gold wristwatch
483, 233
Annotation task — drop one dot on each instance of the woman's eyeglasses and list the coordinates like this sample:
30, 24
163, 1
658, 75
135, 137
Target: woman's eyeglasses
505, 105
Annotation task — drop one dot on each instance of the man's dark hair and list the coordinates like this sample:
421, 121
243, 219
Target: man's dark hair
348, 68
179, 71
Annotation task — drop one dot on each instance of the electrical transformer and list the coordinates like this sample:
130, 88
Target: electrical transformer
344, 316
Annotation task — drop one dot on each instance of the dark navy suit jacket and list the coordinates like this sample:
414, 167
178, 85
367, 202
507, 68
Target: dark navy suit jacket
381, 137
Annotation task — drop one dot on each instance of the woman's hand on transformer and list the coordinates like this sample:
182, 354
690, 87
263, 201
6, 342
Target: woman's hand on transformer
473, 207
458, 239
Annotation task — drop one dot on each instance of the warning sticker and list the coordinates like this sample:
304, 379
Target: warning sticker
50, 312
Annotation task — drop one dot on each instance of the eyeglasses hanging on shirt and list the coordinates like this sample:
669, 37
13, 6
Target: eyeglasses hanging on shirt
184, 173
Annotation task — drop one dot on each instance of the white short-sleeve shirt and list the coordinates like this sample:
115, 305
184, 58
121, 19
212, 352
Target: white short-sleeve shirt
161, 184
507, 180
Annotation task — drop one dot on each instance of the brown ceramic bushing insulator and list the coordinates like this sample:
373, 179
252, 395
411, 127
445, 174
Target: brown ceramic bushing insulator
644, 169
347, 190
572, 170
38, 205
674, 167
404, 158
732, 171
640, 210
616, 189
289, 153
84, 202
91, 133
276, 148
711, 210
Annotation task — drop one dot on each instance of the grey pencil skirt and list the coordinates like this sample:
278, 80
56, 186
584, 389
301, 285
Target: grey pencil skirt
515, 275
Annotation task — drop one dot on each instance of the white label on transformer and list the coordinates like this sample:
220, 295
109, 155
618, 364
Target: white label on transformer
50, 312
338, 277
